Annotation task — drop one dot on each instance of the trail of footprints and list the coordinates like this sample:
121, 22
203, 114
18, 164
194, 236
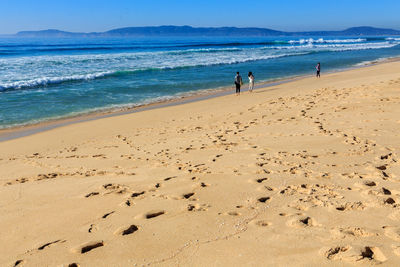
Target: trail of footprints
367, 253
364, 254
130, 195
312, 196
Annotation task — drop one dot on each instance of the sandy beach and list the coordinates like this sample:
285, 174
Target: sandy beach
304, 173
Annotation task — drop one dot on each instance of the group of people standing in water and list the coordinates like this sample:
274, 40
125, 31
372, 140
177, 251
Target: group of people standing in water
239, 81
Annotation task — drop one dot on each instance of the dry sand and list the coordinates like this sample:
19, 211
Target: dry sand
303, 173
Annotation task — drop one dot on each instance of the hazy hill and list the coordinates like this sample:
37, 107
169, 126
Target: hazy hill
192, 31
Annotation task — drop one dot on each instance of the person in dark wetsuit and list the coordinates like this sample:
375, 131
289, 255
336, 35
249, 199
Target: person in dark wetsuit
238, 83
318, 67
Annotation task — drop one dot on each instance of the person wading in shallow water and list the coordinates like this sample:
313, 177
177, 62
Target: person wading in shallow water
238, 83
318, 67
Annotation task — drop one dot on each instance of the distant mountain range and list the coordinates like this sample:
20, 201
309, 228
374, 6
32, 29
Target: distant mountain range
159, 31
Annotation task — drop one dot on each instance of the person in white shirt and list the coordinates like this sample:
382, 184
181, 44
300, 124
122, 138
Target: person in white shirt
251, 81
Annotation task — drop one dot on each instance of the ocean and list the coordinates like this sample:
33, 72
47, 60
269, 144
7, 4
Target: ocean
46, 79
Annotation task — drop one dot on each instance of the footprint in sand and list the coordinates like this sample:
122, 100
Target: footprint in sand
128, 230
118, 188
85, 248
188, 195
261, 180
372, 254
302, 222
93, 228
263, 199
351, 206
92, 194
136, 194
109, 188
154, 214
347, 253
351, 232
127, 203
107, 214
337, 253
204, 185
389, 201
198, 207
370, 183
50, 243
386, 156
297, 206
19, 263
170, 178
233, 213
382, 168
262, 223
386, 191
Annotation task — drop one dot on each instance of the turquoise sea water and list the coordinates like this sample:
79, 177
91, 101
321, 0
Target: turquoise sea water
43, 79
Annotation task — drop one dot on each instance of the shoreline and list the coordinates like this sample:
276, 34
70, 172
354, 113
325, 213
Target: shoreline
15, 132
30, 129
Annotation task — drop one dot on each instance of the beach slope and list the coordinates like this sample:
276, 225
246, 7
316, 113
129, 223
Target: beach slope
302, 173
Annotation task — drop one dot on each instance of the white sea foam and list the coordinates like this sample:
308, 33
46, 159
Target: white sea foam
371, 62
326, 41
335, 47
122, 63
36, 71
43, 81
348, 47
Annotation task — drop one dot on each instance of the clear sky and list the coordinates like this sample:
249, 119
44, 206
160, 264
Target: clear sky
289, 15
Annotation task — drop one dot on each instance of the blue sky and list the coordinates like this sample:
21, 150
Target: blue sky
290, 15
